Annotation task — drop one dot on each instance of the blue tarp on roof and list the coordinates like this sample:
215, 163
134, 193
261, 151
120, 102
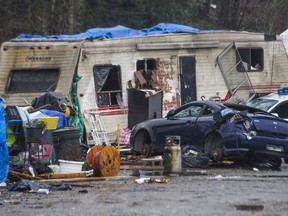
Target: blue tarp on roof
120, 32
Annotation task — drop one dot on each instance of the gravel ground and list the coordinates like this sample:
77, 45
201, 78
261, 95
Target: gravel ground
225, 190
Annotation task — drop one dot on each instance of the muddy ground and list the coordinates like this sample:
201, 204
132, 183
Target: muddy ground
222, 190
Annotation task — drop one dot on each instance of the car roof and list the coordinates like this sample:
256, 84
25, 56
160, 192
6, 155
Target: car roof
220, 105
214, 104
276, 96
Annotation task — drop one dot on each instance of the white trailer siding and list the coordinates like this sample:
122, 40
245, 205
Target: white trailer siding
38, 55
166, 50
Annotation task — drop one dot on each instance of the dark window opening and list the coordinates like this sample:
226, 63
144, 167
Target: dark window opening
149, 64
107, 79
252, 59
33, 80
146, 68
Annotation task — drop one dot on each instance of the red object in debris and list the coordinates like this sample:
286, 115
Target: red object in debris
96, 164
227, 96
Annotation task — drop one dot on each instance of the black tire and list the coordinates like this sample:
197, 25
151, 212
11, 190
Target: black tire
142, 143
84, 149
276, 163
214, 147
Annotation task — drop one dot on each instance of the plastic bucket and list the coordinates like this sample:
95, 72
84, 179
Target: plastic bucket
70, 166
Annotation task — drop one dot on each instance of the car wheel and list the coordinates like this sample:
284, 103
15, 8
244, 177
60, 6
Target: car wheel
276, 162
214, 147
142, 143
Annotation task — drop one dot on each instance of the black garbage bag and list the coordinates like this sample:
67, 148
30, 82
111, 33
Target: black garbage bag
193, 158
41, 168
30, 185
53, 101
26, 185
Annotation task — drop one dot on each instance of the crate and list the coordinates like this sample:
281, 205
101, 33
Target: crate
51, 122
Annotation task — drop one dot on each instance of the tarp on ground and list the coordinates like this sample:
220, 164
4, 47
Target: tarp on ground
120, 31
4, 154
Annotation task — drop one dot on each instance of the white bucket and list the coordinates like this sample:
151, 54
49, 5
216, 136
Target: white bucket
70, 166
55, 168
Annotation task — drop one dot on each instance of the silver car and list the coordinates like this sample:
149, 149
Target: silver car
275, 103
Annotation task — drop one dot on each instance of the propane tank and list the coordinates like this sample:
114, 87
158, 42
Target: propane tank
172, 155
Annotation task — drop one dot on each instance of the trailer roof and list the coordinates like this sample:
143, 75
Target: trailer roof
120, 31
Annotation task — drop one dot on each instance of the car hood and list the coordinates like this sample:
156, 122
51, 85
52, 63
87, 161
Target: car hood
276, 126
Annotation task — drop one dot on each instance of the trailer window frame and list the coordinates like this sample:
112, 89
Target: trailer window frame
108, 85
252, 59
29, 80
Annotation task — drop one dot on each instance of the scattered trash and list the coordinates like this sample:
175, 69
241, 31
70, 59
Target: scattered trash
42, 190
255, 169
83, 191
194, 158
32, 186
141, 180
149, 180
3, 184
220, 177
135, 173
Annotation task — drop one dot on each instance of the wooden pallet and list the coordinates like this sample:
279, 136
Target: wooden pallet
152, 163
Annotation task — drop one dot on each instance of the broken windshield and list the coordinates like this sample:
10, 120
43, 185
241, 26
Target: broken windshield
263, 104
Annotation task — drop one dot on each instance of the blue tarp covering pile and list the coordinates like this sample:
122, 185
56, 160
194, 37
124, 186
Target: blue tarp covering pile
4, 154
121, 32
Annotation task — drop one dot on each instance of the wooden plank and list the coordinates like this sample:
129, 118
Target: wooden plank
62, 175
53, 181
140, 77
17, 175
131, 167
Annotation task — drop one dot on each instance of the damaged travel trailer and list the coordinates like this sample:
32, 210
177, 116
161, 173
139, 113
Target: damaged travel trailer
126, 79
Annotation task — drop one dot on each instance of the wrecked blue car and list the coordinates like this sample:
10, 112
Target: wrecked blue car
221, 130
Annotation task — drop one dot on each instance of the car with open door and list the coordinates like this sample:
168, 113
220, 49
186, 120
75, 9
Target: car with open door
221, 130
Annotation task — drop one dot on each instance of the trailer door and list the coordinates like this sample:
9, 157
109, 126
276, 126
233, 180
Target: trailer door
187, 79
238, 83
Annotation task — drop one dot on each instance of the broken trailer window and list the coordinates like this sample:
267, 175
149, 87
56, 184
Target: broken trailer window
252, 59
146, 67
107, 79
33, 80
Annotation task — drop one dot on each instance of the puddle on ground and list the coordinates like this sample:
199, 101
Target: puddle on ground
260, 207
250, 207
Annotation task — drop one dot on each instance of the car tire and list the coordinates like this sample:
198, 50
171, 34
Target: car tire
214, 147
276, 163
142, 143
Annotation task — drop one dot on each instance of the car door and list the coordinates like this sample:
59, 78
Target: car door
202, 126
180, 124
281, 110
